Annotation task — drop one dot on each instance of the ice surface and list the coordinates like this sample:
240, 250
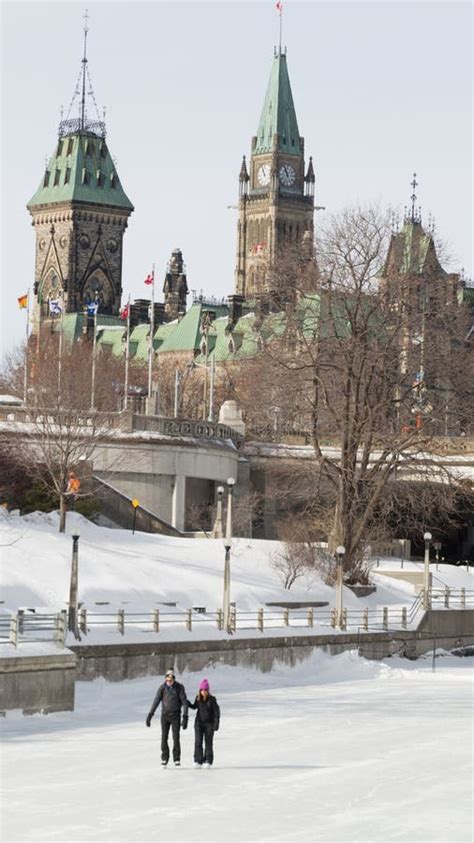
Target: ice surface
335, 749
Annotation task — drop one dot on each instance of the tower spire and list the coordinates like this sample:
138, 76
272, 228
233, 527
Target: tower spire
414, 185
84, 71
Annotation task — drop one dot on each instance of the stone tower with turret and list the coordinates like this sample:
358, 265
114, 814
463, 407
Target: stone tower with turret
175, 287
79, 212
276, 192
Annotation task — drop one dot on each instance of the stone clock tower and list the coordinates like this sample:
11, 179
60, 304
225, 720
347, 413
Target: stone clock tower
80, 213
276, 197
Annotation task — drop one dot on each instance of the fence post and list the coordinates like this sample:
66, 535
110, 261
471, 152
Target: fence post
365, 619
14, 630
189, 620
446, 597
83, 619
404, 617
463, 598
344, 619
286, 617
333, 618
156, 620
233, 618
220, 619
311, 618
385, 617
21, 615
260, 619
60, 628
121, 621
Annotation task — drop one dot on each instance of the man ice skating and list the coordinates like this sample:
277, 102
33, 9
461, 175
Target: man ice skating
205, 724
172, 696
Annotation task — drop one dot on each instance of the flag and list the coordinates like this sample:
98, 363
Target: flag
124, 312
279, 6
149, 279
259, 247
92, 308
23, 301
55, 308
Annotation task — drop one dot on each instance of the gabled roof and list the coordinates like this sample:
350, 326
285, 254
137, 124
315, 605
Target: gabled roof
81, 170
187, 334
278, 113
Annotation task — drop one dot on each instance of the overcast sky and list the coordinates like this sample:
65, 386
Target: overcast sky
381, 89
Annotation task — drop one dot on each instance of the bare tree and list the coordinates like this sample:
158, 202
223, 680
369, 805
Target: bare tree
55, 444
342, 359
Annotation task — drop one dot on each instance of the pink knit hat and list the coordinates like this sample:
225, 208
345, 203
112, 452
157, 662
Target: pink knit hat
204, 685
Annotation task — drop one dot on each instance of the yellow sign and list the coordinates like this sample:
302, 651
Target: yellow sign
135, 503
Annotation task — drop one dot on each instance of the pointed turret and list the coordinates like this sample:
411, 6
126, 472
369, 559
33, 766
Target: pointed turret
175, 286
278, 127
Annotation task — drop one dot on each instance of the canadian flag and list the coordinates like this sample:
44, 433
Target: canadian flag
149, 279
279, 6
124, 312
259, 247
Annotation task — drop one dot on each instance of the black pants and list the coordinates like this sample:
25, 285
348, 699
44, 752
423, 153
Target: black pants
172, 723
203, 731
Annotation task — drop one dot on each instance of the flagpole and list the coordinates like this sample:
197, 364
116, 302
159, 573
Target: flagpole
94, 344
25, 371
127, 356
280, 10
150, 348
60, 351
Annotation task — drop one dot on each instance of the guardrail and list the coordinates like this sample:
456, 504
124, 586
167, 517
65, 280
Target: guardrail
21, 627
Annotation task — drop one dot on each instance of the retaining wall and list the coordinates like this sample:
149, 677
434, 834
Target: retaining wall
37, 678
443, 630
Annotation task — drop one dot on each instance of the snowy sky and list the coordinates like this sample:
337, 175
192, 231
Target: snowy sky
381, 89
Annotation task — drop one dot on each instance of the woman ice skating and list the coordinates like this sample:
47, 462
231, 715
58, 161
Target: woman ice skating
172, 696
205, 724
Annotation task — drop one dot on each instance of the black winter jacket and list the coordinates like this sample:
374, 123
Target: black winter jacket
208, 712
172, 699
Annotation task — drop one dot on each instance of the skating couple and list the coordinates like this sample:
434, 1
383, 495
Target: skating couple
174, 715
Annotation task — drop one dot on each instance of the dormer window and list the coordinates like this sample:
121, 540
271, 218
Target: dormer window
46, 179
67, 175
90, 149
57, 176
60, 149
100, 178
103, 150
70, 145
231, 346
85, 176
113, 180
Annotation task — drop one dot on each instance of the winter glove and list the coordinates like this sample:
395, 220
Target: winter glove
184, 723
148, 721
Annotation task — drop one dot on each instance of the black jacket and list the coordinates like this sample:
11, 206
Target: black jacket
172, 699
208, 712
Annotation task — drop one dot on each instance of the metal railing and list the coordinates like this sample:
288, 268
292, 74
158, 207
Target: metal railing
23, 627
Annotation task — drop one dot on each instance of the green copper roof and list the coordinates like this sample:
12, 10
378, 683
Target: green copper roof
81, 170
187, 335
278, 113
412, 250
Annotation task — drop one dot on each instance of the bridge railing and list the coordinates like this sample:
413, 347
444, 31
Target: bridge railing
20, 627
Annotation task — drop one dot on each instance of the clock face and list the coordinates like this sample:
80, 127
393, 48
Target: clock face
263, 174
287, 175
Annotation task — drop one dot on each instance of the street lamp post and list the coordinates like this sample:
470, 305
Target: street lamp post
217, 530
340, 551
227, 545
73, 586
437, 547
426, 571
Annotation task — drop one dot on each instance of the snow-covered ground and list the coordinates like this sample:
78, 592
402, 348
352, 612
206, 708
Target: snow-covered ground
142, 571
335, 749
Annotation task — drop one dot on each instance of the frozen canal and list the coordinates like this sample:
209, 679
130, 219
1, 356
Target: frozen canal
336, 749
